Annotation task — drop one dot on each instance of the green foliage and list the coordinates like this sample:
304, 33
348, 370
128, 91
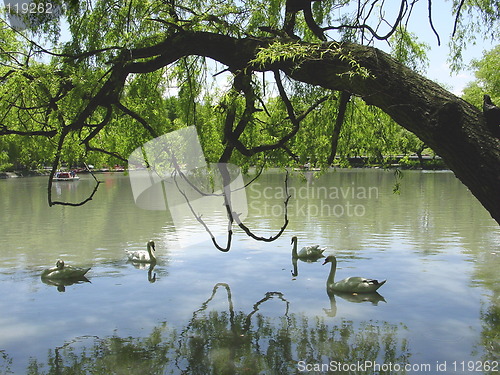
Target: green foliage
279, 51
269, 13
297, 52
473, 18
407, 49
4, 161
8, 42
398, 176
487, 78
369, 132
102, 32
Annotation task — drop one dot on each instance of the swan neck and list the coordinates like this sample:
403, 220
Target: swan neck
333, 269
151, 255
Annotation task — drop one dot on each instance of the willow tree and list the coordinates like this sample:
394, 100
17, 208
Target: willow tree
80, 94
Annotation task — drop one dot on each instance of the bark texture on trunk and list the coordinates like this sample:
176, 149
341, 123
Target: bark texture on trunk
453, 128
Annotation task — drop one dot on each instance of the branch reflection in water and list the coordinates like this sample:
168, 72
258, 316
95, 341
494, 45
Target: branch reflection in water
228, 341
149, 266
61, 284
295, 271
374, 298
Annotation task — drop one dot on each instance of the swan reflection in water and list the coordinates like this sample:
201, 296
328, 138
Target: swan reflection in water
309, 254
373, 297
295, 271
150, 267
62, 284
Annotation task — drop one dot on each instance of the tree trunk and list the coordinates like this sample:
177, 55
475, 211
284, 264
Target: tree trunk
453, 128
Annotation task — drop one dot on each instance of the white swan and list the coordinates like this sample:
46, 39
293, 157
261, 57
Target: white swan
351, 284
61, 272
143, 256
313, 252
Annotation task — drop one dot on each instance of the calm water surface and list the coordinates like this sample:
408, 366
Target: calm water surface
203, 311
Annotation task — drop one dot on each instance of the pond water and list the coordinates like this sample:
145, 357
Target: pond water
203, 311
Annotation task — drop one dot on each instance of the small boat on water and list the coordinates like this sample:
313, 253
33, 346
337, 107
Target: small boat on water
307, 169
66, 176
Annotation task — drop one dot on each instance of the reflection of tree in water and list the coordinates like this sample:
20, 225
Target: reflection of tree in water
486, 276
233, 342
490, 334
5, 363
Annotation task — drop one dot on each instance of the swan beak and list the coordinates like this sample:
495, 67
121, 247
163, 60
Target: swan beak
325, 262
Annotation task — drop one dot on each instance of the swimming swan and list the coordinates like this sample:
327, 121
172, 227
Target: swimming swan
351, 284
313, 252
61, 272
143, 256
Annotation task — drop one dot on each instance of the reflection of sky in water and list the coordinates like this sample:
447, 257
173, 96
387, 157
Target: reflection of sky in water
432, 286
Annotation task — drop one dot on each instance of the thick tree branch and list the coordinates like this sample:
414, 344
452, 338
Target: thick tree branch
98, 127
88, 147
450, 126
291, 10
138, 118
